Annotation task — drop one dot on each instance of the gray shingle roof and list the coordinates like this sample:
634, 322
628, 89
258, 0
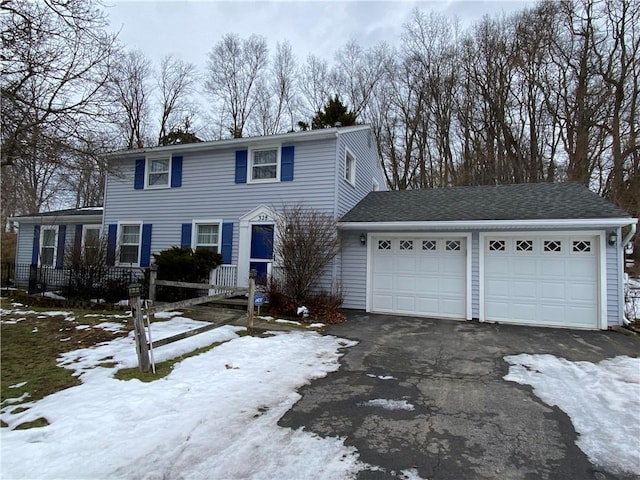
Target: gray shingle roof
533, 201
69, 212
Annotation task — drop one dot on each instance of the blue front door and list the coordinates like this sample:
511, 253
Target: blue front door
261, 251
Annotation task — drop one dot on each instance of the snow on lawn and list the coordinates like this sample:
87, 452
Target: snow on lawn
214, 416
602, 400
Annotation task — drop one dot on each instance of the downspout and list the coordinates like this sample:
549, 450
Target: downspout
623, 244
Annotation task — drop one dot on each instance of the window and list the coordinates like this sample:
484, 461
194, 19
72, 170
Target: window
264, 165
497, 245
91, 242
48, 246
429, 245
207, 236
524, 245
384, 244
406, 244
158, 171
581, 246
452, 245
376, 186
349, 167
129, 244
552, 246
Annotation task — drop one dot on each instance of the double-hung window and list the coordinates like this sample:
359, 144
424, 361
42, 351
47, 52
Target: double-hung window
264, 164
158, 172
91, 242
350, 167
129, 244
48, 246
207, 236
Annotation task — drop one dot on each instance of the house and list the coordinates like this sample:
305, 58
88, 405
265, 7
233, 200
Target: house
535, 254
546, 254
223, 195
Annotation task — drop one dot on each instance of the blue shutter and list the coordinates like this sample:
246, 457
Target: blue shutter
241, 166
185, 237
35, 248
62, 234
227, 242
112, 239
145, 253
77, 244
138, 179
176, 171
286, 164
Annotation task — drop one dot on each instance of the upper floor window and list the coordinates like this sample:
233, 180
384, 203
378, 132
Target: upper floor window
129, 244
264, 165
375, 186
207, 236
48, 246
350, 167
158, 172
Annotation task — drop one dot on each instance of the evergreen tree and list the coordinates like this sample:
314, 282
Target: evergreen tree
335, 114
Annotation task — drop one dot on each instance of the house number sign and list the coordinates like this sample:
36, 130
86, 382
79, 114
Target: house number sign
263, 217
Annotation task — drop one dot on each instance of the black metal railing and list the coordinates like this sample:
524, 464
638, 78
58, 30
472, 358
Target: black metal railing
86, 282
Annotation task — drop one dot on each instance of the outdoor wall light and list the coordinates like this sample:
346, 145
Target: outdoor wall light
613, 236
363, 239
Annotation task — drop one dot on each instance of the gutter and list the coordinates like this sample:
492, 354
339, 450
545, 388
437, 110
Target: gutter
320, 134
480, 224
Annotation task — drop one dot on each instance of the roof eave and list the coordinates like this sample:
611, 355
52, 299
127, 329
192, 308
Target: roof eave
57, 218
480, 224
321, 134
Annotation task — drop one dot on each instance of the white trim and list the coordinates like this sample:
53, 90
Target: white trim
147, 171
118, 234
261, 215
423, 235
480, 224
375, 185
55, 245
602, 280
259, 148
194, 231
89, 226
352, 170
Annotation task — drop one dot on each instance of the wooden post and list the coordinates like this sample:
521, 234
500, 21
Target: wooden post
142, 348
153, 278
252, 293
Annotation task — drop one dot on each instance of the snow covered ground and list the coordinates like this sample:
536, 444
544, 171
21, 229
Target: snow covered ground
214, 416
602, 400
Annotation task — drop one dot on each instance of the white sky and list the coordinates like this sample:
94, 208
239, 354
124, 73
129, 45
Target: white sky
189, 29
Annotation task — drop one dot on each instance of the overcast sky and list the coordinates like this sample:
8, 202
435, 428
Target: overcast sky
189, 29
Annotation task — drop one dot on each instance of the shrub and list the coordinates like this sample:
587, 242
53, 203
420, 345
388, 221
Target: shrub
183, 264
323, 306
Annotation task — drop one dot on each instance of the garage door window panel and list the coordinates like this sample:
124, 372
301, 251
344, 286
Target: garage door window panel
406, 245
552, 246
524, 246
384, 245
581, 246
429, 245
497, 245
453, 246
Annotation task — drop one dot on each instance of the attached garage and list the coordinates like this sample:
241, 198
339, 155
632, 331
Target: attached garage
547, 254
419, 275
541, 279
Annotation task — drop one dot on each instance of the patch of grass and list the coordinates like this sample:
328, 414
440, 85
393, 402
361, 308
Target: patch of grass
31, 346
162, 369
38, 422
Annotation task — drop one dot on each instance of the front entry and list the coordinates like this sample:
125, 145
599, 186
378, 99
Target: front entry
261, 257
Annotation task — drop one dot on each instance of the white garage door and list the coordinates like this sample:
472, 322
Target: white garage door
419, 275
542, 280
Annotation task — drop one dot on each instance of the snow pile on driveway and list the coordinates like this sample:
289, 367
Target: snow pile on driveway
602, 400
214, 416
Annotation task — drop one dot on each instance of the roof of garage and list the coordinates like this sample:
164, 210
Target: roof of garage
533, 201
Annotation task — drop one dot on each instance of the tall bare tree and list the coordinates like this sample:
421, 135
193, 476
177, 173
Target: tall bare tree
176, 82
56, 59
234, 69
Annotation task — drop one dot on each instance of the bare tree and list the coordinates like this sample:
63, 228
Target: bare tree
56, 59
305, 243
315, 85
176, 83
131, 90
234, 70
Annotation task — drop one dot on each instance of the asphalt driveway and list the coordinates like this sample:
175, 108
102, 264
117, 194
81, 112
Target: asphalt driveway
468, 422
